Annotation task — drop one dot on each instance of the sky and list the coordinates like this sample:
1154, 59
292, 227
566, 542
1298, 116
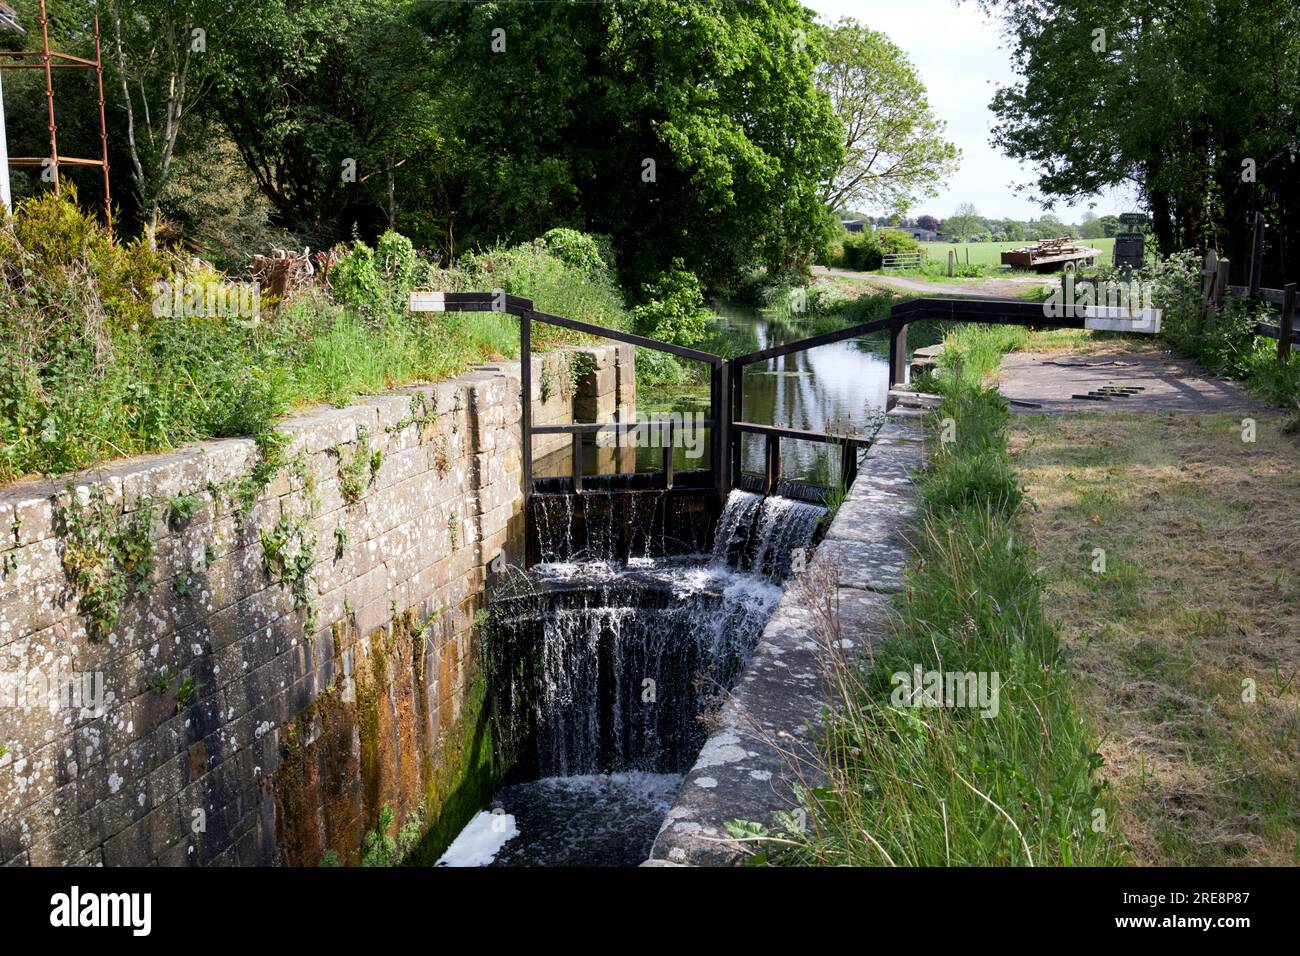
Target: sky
959, 53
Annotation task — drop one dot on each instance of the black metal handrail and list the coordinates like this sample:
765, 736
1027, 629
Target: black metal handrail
726, 418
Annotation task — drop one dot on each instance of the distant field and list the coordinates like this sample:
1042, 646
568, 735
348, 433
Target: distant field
988, 253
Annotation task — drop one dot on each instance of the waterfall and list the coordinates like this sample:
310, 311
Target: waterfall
759, 534
602, 669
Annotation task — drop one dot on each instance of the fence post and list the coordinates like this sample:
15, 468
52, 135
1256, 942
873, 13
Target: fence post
1286, 324
773, 476
952, 262
1257, 256
897, 353
1221, 284
1209, 275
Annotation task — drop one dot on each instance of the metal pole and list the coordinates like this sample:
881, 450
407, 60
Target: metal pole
49, 96
6, 196
1257, 256
103, 133
1286, 323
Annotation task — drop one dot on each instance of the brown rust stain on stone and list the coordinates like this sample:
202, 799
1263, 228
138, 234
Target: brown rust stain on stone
342, 762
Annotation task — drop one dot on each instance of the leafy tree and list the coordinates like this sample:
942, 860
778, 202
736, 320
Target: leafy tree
681, 129
894, 147
964, 223
1091, 227
927, 222
158, 49
1173, 100
1109, 225
328, 102
1013, 230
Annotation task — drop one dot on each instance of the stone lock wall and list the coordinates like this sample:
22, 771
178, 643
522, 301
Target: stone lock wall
207, 660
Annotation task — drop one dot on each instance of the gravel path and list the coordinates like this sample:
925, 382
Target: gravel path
991, 288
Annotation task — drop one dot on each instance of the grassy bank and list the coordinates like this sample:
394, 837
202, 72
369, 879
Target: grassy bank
1184, 641
93, 371
945, 785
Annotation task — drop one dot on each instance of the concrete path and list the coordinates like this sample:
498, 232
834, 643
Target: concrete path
1158, 382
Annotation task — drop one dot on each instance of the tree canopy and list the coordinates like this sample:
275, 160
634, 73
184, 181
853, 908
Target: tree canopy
894, 148
1197, 105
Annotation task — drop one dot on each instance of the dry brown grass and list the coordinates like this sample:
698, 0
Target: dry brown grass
1201, 597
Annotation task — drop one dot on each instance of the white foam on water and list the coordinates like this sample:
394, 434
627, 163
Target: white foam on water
481, 840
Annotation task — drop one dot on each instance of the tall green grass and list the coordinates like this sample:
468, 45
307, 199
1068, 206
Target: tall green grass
91, 373
925, 786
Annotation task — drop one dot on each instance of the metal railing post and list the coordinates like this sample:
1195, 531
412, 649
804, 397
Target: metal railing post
526, 412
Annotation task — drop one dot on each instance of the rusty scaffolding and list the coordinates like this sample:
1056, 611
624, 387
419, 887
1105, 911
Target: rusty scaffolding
48, 61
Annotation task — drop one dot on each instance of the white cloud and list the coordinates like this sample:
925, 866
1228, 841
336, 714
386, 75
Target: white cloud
958, 52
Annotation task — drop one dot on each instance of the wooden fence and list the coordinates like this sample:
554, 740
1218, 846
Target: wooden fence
1215, 290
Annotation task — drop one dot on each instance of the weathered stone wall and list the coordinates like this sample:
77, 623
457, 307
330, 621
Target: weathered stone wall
274, 646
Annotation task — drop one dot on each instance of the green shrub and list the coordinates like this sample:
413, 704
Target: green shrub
865, 251
673, 310
354, 280
576, 248
395, 263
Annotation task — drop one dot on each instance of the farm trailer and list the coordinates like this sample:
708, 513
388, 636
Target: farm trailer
1051, 254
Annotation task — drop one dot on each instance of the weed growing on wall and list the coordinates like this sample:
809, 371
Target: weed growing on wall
107, 556
358, 471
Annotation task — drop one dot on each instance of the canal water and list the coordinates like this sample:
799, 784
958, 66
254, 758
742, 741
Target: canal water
839, 388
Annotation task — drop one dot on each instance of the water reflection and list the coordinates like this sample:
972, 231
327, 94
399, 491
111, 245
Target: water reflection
839, 388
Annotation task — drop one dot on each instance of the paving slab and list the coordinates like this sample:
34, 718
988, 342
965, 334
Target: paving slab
1050, 382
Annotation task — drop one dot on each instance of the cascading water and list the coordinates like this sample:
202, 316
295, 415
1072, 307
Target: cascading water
602, 675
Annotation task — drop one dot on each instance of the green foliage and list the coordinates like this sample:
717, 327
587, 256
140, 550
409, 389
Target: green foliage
354, 280
289, 559
186, 691
107, 555
973, 470
865, 251
395, 263
720, 96
1224, 339
358, 471
305, 86
160, 682
674, 309
330, 858
896, 147
180, 509
576, 248
380, 849
1174, 101
92, 374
